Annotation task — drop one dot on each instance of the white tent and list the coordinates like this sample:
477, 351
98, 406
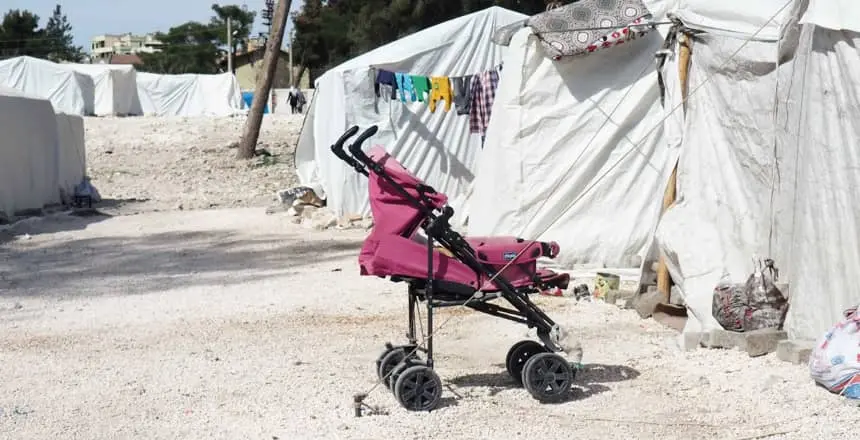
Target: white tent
576, 151
69, 91
71, 154
436, 146
765, 154
115, 90
768, 162
28, 152
189, 94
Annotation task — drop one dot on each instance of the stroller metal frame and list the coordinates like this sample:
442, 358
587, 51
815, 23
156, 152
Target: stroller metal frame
438, 229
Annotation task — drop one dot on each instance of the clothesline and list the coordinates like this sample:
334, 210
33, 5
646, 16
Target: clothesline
375, 68
471, 95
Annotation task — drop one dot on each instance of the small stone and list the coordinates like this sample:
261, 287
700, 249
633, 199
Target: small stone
755, 343
794, 351
763, 341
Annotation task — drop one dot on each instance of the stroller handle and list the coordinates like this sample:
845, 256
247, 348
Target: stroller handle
355, 148
337, 149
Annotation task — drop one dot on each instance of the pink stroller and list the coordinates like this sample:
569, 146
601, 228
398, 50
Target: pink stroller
464, 271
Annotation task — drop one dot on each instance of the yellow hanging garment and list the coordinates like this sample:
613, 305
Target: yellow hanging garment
440, 88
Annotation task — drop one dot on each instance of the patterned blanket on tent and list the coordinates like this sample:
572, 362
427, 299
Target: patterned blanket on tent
588, 25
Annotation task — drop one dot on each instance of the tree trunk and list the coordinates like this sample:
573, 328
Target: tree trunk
248, 144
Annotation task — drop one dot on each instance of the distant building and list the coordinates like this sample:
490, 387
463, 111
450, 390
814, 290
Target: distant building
248, 66
131, 58
105, 46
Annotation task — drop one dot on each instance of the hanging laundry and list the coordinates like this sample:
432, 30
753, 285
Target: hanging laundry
462, 93
483, 94
385, 80
421, 86
404, 84
440, 89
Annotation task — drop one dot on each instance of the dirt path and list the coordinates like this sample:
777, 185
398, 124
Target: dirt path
233, 324
146, 164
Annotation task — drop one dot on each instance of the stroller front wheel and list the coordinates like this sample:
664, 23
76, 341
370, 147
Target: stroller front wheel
548, 377
518, 355
418, 388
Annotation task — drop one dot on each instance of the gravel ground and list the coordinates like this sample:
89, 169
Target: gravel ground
155, 164
234, 324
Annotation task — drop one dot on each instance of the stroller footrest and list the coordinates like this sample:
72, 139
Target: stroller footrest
554, 279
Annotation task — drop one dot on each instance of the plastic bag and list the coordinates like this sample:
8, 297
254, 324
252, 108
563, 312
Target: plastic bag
835, 361
729, 305
756, 304
767, 306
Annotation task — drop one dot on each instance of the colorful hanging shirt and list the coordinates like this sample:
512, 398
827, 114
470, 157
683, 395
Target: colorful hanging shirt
440, 89
385, 80
404, 84
462, 93
483, 94
420, 86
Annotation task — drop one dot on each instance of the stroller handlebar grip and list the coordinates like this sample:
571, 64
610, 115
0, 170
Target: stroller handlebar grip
355, 148
337, 148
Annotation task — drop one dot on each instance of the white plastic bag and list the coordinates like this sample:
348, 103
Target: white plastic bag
835, 361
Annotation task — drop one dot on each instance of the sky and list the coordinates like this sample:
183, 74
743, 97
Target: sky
96, 17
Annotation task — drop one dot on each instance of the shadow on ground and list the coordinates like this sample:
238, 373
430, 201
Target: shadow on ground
157, 262
591, 379
71, 219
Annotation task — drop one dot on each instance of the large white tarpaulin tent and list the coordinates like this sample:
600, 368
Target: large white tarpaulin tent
115, 88
765, 151
69, 91
723, 212
436, 146
189, 94
820, 135
42, 154
575, 150
768, 164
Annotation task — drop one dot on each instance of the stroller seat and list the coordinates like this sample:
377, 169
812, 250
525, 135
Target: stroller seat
393, 250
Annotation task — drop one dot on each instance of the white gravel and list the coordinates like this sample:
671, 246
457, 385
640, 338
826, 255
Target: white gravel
234, 324
154, 164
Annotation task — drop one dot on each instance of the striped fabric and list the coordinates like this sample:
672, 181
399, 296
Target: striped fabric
483, 94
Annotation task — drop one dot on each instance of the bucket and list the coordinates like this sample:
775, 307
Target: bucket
604, 283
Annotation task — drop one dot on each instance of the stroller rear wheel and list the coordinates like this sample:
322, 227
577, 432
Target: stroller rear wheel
418, 388
518, 355
399, 368
548, 377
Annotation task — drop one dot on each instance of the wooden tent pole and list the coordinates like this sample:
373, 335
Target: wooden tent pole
664, 280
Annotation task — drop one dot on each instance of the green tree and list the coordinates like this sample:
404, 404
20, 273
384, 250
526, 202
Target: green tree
195, 47
191, 47
59, 41
242, 21
20, 34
